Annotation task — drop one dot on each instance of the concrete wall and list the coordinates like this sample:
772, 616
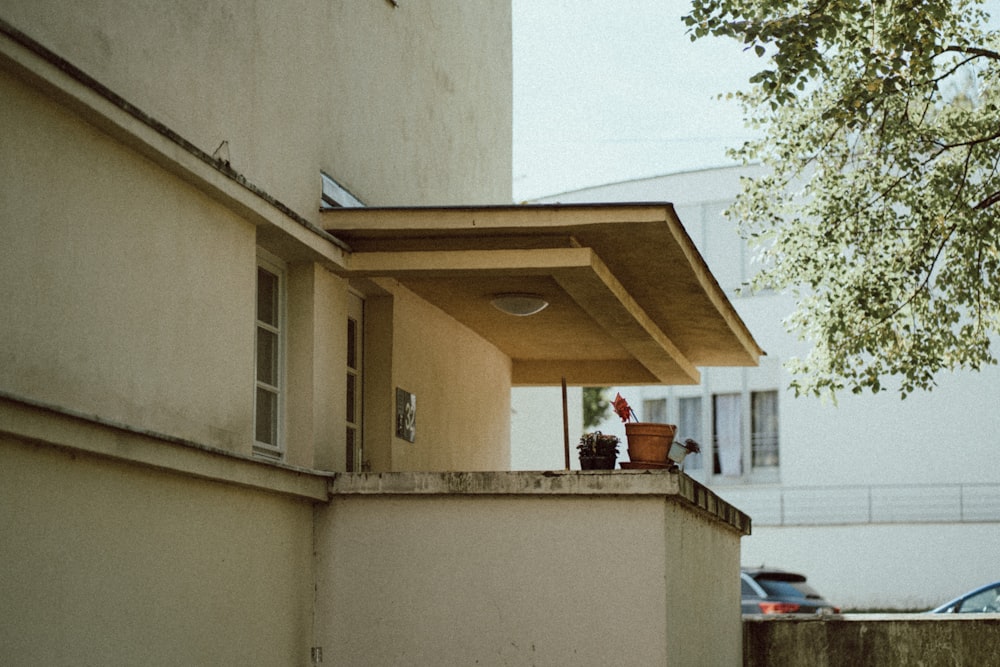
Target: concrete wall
462, 389
960, 640
403, 106
122, 286
317, 356
128, 274
525, 568
141, 551
110, 563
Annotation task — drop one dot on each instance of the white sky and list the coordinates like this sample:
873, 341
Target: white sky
608, 90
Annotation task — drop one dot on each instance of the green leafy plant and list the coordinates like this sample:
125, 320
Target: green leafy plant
880, 134
598, 444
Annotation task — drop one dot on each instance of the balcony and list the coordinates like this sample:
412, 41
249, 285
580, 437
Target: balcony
594, 567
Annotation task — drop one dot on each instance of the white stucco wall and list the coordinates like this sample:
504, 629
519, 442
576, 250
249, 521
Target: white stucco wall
537, 439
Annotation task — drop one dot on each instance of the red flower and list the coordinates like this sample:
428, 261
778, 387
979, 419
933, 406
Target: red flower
622, 408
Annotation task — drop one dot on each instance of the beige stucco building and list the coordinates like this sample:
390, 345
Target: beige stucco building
229, 392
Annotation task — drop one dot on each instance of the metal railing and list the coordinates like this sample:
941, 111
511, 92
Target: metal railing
866, 504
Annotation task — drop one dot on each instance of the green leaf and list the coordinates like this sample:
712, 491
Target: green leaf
881, 212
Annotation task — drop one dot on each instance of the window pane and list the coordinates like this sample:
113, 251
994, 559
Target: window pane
352, 344
267, 357
350, 449
764, 427
987, 601
266, 430
689, 426
268, 342
655, 411
787, 588
728, 450
352, 383
267, 297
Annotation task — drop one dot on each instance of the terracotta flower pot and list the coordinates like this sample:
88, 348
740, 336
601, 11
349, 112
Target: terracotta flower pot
648, 442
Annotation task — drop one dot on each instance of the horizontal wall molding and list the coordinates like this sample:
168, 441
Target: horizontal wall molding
122, 120
37, 422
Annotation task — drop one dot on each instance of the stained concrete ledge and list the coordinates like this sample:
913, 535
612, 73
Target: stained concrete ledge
876, 640
667, 484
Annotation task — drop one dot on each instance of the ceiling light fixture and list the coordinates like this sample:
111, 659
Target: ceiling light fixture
519, 304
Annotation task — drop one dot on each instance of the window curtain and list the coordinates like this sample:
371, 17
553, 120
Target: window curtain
764, 444
655, 410
689, 426
728, 434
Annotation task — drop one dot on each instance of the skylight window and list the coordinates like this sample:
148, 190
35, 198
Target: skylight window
336, 196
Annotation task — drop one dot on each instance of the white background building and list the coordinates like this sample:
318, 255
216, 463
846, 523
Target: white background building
881, 502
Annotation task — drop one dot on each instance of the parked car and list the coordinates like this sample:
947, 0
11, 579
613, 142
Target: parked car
770, 591
985, 599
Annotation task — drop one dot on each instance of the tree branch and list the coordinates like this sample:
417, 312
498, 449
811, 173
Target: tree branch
973, 50
988, 201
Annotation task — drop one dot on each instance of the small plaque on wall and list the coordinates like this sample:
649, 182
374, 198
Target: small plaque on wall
406, 415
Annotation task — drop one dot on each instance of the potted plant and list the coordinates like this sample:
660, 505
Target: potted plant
651, 445
598, 451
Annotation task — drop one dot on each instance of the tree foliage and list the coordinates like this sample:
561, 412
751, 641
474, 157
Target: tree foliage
880, 130
595, 406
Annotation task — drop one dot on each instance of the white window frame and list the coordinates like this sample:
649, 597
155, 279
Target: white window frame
276, 267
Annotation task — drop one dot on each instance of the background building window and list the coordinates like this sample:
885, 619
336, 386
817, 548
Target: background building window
689, 426
655, 410
745, 434
764, 429
727, 426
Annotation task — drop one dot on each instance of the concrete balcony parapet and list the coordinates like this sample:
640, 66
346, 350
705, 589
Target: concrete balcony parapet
671, 485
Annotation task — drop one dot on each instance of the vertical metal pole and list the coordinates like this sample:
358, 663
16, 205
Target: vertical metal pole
565, 424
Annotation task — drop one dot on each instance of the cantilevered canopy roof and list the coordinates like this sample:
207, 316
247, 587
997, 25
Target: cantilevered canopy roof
631, 300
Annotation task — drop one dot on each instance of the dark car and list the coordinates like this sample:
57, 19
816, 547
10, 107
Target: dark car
985, 599
770, 591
